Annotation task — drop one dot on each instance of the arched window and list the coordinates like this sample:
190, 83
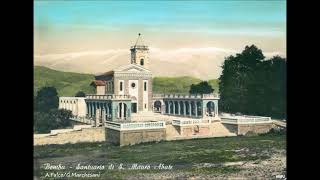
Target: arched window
141, 62
145, 86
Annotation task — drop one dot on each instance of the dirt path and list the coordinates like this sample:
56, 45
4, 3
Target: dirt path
265, 169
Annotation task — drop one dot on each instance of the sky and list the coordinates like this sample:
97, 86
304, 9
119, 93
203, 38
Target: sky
96, 26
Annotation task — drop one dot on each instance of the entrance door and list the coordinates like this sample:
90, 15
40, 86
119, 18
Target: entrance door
134, 107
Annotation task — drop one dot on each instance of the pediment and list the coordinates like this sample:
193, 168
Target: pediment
131, 68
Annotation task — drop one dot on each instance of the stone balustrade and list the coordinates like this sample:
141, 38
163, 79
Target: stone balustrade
108, 96
85, 120
136, 125
245, 119
187, 96
185, 122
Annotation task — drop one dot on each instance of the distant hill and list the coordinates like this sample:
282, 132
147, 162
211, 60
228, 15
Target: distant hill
68, 83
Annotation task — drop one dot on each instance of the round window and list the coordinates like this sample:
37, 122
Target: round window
133, 85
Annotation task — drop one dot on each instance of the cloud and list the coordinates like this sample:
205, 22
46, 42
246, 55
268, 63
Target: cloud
201, 62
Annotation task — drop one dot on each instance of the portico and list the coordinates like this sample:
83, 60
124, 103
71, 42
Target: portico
193, 106
102, 108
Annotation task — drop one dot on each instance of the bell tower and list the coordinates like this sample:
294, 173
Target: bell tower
140, 53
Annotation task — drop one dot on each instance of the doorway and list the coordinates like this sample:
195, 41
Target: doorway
134, 107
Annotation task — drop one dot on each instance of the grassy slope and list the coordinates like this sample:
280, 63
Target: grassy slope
67, 83
181, 154
178, 84
173, 84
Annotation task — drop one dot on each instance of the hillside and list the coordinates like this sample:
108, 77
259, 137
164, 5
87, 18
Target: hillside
67, 83
178, 84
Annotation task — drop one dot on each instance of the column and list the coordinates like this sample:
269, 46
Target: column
196, 108
113, 110
103, 114
216, 109
174, 107
204, 112
94, 109
190, 113
163, 108
107, 111
118, 110
97, 117
179, 108
122, 111
184, 109
98, 107
89, 111
73, 107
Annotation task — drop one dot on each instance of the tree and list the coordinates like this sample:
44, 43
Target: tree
46, 99
54, 119
201, 88
80, 94
252, 85
61, 117
43, 122
47, 116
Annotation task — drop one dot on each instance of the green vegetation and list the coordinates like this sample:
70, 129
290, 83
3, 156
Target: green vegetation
179, 84
46, 115
68, 84
80, 94
201, 88
251, 84
183, 155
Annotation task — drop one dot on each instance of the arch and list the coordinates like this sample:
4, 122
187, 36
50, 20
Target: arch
110, 110
187, 104
119, 110
157, 106
210, 108
176, 107
193, 108
141, 62
133, 98
181, 108
171, 105
167, 107
125, 109
199, 108
122, 110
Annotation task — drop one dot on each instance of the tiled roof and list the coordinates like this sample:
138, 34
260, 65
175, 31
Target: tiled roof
98, 83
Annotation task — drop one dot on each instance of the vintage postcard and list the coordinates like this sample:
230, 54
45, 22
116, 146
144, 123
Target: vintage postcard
160, 89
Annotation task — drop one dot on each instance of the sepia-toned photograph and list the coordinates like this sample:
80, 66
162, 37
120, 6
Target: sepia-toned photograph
152, 90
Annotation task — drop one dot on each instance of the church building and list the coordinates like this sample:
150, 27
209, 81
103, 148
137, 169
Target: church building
124, 90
